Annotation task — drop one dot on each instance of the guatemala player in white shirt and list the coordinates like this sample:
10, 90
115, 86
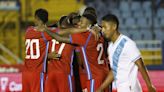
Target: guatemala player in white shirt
123, 53
125, 59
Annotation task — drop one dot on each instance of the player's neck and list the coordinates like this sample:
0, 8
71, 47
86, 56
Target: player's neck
115, 36
41, 27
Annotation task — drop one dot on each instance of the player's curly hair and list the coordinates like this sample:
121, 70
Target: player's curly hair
42, 14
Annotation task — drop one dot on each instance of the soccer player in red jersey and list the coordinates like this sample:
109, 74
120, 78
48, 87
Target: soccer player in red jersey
59, 77
92, 50
36, 45
60, 70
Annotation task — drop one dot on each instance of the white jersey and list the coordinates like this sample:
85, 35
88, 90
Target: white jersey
122, 55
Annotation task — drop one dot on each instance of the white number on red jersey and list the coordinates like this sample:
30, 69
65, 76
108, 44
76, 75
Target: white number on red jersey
54, 42
29, 45
100, 49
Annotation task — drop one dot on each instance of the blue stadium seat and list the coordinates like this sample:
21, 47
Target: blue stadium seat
126, 14
138, 14
162, 22
142, 22
116, 12
159, 34
124, 6
148, 13
146, 34
130, 22
135, 6
146, 5
122, 23
160, 12
141, 46
156, 22
135, 34
149, 22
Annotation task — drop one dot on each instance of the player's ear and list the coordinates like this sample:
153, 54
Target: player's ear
114, 26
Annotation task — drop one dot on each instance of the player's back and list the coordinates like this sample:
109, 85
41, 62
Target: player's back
63, 64
35, 49
59, 70
36, 45
93, 54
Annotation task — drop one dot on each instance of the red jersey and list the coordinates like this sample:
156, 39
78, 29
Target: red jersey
93, 54
64, 64
35, 42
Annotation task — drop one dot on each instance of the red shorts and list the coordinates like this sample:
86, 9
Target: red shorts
94, 84
58, 82
83, 80
31, 81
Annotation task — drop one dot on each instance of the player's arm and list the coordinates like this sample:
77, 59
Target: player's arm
107, 82
53, 55
71, 31
64, 39
145, 75
136, 58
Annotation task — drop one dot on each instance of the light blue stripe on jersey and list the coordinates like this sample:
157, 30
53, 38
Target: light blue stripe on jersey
44, 69
92, 85
116, 55
44, 38
44, 64
45, 58
72, 56
70, 83
87, 40
86, 64
41, 82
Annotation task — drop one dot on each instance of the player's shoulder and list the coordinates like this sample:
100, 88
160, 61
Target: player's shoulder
30, 28
129, 41
32, 33
29, 31
127, 38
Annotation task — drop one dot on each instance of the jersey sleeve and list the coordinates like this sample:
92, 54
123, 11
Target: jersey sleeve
133, 52
77, 39
27, 31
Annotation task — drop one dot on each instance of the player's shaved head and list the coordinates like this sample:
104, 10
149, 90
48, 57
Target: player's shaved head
111, 18
42, 14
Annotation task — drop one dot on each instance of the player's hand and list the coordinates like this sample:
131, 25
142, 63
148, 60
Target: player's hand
99, 90
54, 55
96, 32
152, 89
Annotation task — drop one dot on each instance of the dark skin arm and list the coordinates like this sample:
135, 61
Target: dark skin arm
143, 71
53, 55
59, 36
145, 75
108, 80
56, 36
71, 31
